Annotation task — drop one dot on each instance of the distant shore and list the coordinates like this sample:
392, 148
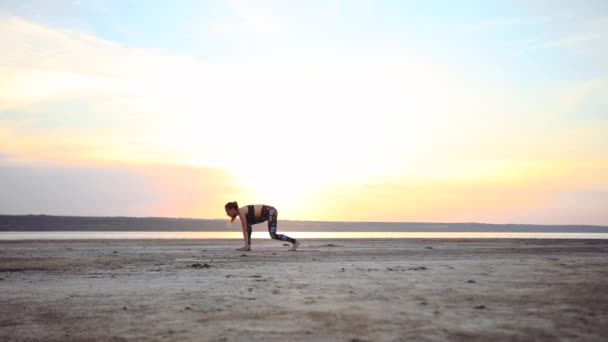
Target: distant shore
85, 223
332, 290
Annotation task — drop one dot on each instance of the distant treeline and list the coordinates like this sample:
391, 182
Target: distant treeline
84, 223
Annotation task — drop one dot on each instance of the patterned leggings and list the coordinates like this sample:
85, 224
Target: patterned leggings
268, 214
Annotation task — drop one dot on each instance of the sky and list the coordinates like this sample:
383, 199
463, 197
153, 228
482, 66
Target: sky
418, 111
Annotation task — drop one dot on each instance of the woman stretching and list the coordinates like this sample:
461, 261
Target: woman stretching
254, 214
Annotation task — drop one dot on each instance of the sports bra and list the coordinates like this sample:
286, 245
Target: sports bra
251, 219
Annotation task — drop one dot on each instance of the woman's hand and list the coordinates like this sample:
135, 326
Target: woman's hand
247, 247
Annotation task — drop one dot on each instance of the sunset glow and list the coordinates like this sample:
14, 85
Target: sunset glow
328, 110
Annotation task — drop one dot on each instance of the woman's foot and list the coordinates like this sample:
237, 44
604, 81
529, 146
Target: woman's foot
244, 248
295, 246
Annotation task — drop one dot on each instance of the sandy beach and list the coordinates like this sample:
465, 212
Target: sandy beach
332, 290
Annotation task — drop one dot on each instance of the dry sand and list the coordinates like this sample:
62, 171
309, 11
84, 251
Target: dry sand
333, 290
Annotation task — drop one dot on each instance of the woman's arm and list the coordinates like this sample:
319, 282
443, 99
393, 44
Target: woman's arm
243, 218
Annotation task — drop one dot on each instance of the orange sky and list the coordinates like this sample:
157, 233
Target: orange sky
460, 123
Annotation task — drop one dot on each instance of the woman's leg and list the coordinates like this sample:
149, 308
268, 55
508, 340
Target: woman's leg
272, 227
249, 230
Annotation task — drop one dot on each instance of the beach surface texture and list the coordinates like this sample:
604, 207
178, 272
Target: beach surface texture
331, 290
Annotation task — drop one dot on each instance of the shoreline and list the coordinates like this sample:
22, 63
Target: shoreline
259, 235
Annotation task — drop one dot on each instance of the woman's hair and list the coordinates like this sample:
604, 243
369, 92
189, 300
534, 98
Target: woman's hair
232, 205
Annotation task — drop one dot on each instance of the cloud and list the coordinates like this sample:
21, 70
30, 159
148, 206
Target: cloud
495, 24
579, 37
590, 36
248, 18
41, 64
132, 95
153, 103
581, 30
46, 64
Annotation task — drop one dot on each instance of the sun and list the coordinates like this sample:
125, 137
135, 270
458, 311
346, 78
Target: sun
291, 190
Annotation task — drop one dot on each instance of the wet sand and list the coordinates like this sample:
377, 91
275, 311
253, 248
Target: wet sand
332, 290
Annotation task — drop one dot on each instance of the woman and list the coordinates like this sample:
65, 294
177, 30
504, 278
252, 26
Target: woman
253, 214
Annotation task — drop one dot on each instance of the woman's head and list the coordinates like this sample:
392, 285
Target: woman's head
232, 210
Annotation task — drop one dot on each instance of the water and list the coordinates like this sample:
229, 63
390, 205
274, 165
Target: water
80, 235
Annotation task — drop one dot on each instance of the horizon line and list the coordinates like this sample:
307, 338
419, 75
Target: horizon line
320, 221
